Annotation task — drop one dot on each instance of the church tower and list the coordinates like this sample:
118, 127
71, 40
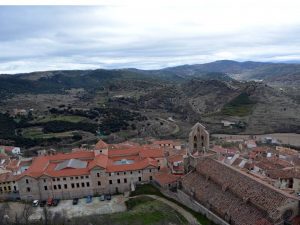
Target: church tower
198, 139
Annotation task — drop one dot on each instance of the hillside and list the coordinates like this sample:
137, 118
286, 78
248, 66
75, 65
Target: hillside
69, 108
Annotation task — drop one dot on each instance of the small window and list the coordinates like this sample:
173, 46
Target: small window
76, 178
98, 174
81, 177
118, 173
125, 180
4, 188
28, 189
99, 183
54, 187
140, 179
59, 186
44, 180
119, 181
130, 172
77, 185
71, 178
53, 179
64, 178
139, 171
66, 186
150, 170
110, 174
27, 181
9, 188
86, 177
82, 184
72, 185
110, 181
45, 188
124, 173
150, 177
87, 184
58, 179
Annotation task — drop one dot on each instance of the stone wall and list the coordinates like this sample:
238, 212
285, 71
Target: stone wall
188, 201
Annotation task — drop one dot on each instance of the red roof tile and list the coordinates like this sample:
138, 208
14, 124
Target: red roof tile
101, 145
166, 178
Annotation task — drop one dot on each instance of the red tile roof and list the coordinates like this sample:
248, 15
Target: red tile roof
152, 153
166, 178
175, 158
142, 158
101, 145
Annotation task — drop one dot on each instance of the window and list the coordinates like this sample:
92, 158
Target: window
28, 189
150, 177
98, 174
86, 177
140, 179
130, 172
139, 171
87, 184
44, 180
124, 173
4, 188
58, 179
54, 187
118, 173
45, 188
59, 186
27, 181
81, 177
119, 181
9, 188
76, 178
110, 181
53, 179
150, 170
71, 178
110, 174
64, 178
77, 185
72, 185
66, 186
15, 188
99, 183
82, 184
125, 180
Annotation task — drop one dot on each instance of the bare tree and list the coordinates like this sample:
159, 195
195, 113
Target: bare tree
26, 213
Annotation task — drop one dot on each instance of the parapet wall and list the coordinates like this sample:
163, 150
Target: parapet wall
188, 201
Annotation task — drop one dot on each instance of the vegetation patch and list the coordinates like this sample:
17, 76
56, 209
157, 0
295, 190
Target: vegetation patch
149, 189
66, 118
37, 133
141, 210
240, 106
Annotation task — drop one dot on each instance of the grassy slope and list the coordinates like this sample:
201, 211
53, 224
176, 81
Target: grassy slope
142, 210
239, 106
151, 190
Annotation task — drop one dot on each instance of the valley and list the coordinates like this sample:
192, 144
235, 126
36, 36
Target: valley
67, 108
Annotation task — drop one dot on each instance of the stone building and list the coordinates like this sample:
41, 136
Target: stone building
198, 147
83, 173
238, 197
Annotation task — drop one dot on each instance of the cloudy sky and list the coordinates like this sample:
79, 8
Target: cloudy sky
147, 34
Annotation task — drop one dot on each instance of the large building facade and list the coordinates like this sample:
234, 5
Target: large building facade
83, 173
